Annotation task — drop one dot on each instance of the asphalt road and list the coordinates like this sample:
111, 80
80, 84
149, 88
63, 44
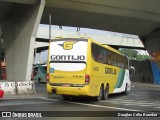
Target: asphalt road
141, 101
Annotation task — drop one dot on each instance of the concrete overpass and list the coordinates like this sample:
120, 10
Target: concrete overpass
116, 40
19, 20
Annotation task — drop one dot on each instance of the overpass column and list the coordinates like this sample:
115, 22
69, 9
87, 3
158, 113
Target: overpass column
152, 44
19, 37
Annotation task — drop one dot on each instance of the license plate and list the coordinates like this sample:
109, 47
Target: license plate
66, 85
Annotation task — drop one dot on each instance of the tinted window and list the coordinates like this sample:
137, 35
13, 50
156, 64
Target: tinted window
102, 55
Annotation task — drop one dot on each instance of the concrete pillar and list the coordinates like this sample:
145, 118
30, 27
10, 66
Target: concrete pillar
151, 41
152, 44
19, 33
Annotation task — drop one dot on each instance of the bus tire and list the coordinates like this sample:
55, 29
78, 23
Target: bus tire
39, 80
99, 97
105, 93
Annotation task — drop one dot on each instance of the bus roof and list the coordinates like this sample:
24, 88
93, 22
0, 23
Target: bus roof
76, 38
88, 38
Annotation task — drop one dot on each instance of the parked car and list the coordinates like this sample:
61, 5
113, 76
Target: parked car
1, 92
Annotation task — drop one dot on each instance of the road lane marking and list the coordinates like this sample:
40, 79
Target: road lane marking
134, 103
49, 99
92, 105
100, 106
149, 92
144, 105
123, 100
148, 105
15, 104
157, 107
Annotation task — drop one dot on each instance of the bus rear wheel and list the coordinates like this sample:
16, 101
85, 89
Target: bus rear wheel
105, 93
99, 97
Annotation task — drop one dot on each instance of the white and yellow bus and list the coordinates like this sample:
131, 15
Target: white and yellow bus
82, 67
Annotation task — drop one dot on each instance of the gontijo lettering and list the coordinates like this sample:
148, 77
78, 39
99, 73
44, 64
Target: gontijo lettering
67, 57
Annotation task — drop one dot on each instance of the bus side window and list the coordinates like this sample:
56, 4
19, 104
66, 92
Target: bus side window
108, 57
94, 52
114, 59
101, 55
97, 53
120, 61
125, 63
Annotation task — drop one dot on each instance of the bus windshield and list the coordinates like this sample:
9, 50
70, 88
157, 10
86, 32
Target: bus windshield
68, 54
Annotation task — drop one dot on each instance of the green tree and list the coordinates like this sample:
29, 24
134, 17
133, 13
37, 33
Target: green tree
142, 57
133, 54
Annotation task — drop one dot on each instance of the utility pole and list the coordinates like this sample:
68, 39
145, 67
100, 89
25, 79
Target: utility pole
50, 19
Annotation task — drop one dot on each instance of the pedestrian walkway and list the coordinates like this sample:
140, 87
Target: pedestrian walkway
139, 84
